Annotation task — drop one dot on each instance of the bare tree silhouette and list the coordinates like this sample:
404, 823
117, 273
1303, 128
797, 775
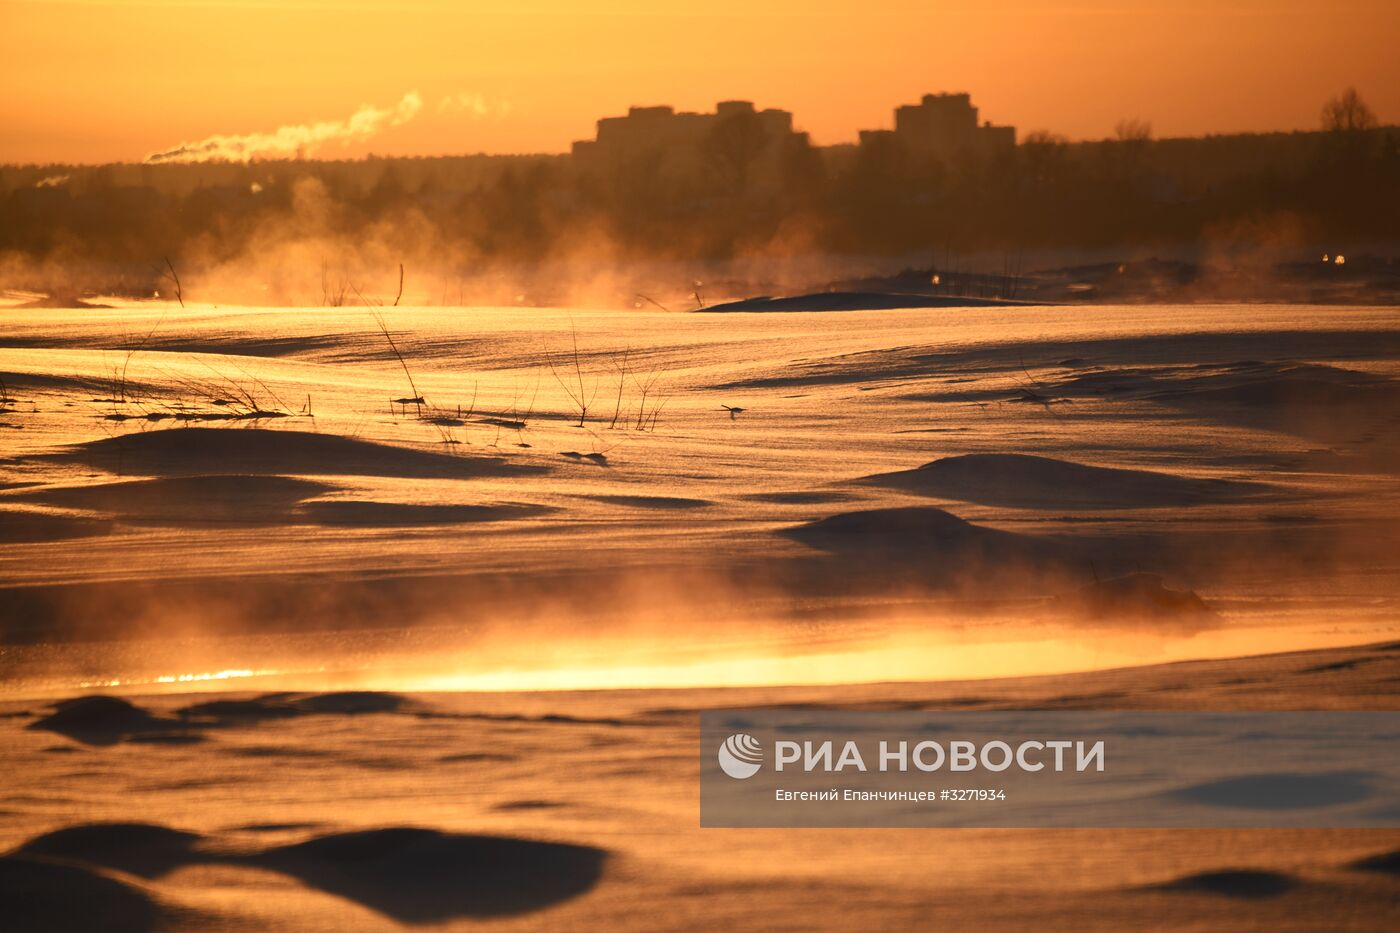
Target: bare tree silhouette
1132, 131
1347, 113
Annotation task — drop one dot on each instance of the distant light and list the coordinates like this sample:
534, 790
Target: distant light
1326, 258
938, 280
255, 188
1340, 260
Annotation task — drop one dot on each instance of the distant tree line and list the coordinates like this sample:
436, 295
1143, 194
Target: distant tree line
1339, 183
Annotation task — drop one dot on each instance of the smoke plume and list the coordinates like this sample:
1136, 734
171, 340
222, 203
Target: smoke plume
304, 138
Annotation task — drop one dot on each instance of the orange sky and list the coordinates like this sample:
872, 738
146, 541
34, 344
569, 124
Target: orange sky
107, 80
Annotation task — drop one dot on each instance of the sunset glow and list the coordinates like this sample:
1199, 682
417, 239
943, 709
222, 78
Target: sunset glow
114, 80
754, 465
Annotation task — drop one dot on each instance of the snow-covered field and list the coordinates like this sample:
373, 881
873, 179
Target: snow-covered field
537, 541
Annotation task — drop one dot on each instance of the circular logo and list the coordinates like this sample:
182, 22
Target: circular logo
740, 756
